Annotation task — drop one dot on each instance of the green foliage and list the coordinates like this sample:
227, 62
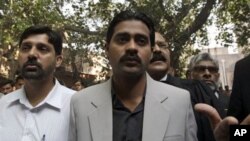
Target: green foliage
84, 24
236, 13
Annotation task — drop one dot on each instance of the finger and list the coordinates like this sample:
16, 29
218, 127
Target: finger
210, 112
226, 122
221, 132
246, 121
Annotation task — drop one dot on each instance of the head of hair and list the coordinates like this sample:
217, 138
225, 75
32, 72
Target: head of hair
131, 15
6, 81
82, 81
54, 37
202, 57
19, 77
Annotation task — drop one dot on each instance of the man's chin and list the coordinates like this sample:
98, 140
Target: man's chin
157, 62
33, 75
209, 82
158, 66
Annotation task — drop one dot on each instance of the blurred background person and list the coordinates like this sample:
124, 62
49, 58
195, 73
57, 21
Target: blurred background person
1, 79
227, 91
19, 82
79, 84
6, 86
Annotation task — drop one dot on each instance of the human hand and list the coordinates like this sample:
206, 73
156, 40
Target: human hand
220, 126
246, 121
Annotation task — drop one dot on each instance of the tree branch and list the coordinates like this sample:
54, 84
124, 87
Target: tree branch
166, 15
58, 9
133, 3
184, 36
185, 10
81, 30
199, 21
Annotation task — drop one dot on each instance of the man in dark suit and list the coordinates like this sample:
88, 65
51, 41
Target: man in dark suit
206, 68
239, 108
158, 69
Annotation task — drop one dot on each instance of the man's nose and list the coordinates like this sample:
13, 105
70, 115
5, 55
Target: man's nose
132, 47
33, 53
132, 44
207, 73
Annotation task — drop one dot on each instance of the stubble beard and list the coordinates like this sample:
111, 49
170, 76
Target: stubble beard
38, 74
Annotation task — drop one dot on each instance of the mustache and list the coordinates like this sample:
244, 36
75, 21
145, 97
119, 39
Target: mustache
158, 57
129, 57
33, 63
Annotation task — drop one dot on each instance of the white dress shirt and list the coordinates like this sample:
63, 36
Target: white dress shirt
1, 94
48, 121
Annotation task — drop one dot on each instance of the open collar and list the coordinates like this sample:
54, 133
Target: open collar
54, 98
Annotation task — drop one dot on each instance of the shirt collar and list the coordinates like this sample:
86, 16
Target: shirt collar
117, 104
16, 95
164, 77
54, 98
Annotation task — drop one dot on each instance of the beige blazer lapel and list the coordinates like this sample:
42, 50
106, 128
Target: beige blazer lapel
156, 115
101, 119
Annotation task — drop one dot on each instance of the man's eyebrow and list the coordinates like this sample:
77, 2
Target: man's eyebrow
140, 34
121, 34
25, 44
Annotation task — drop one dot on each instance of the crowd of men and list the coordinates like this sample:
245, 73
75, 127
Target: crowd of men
142, 100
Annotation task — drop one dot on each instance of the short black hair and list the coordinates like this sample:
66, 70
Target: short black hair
131, 15
82, 81
5, 82
19, 77
54, 37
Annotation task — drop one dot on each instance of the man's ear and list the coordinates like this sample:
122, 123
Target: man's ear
191, 75
58, 60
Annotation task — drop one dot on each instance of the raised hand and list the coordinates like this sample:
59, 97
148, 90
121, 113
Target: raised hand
220, 126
